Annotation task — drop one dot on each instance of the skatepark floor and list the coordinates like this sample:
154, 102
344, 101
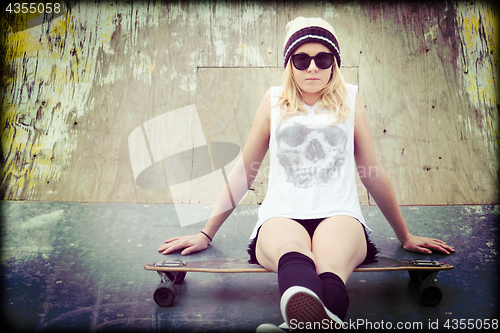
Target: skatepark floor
78, 267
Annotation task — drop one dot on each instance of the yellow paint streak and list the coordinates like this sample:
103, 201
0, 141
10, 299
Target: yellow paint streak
21, 43
151, 66
145, 67
109, 26
481, 84
478, 35
431, 32
30, 152
62, 26
27, 43
8, 131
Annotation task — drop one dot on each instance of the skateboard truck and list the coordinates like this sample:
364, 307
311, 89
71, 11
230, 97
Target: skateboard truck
426, 263
173, 263
429, 291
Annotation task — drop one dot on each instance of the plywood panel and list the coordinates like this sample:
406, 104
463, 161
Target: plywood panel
74, 88
417, 106
228, 99
80, 84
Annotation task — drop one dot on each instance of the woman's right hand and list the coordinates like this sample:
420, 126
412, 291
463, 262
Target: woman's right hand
188, 244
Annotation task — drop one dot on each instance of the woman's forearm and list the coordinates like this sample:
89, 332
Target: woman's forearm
380, 188
239, 180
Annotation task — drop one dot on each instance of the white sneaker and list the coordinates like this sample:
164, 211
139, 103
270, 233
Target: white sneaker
284, 326
302, 309
268, 328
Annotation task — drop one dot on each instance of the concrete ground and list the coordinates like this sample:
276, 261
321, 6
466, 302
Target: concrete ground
79, 267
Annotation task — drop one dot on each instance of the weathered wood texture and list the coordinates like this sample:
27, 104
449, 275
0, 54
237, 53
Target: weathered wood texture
74, 88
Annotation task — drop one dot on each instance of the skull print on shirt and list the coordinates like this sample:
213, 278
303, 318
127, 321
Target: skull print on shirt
310, 156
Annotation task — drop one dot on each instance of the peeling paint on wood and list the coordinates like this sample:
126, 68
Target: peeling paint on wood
478, 35
49, 75
75, 87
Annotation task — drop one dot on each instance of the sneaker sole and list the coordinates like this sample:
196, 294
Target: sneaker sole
305, 308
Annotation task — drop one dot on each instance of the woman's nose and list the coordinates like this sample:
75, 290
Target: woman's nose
312, 66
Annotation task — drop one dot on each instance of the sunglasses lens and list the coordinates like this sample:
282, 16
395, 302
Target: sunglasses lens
301, 61
323, 60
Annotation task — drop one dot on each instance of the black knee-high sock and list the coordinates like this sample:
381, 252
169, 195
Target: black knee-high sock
335, 296
297, 269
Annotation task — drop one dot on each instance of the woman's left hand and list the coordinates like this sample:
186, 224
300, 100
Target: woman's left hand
425, 245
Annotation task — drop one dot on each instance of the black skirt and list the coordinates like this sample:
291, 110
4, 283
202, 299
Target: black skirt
311, 225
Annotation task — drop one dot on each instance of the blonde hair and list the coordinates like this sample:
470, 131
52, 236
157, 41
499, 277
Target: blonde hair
332, 96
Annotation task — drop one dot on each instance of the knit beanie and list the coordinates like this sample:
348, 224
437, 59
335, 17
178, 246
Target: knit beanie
306, 30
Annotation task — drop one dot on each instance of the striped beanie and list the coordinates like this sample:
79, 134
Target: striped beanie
306, 30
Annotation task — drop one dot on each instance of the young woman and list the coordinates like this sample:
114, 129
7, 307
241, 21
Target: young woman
311, 230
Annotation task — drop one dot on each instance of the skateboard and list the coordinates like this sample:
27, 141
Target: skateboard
174, 271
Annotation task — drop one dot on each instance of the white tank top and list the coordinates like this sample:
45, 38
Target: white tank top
312, 170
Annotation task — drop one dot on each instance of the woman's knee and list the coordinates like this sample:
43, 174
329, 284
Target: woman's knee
279, 236
339, 246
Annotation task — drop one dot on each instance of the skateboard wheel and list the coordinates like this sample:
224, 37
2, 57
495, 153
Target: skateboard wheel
430, 293
165, 294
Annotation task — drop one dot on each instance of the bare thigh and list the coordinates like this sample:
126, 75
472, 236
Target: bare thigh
339, 246
278, 236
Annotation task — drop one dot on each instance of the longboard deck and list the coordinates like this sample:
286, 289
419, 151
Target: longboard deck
171, 272
241, 265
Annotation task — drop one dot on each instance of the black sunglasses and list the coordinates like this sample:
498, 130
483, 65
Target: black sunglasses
323, 60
